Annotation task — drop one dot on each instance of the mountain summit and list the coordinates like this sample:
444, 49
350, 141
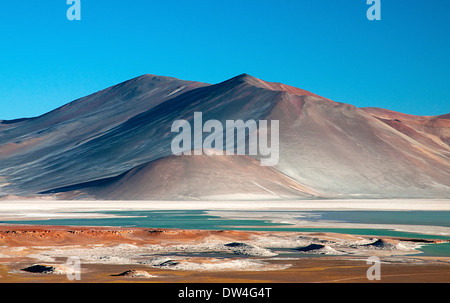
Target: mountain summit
275, 86
116, 143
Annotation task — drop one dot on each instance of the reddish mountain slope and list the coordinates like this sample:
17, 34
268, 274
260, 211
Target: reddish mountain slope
115, 144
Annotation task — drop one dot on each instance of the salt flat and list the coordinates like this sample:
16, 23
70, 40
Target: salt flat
170, 255
166, 255
248, 210
55, 206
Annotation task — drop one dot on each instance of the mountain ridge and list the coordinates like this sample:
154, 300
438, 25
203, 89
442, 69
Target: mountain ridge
332, 148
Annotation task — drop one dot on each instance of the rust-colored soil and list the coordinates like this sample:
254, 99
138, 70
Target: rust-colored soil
19, 243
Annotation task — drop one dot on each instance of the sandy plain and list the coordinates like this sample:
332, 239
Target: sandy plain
115, 254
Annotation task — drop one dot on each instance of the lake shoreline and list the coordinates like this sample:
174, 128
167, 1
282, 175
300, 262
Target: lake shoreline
172, 255
176, 255
45, 205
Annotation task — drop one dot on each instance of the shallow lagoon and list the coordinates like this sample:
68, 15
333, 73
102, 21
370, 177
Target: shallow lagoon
203, 219
211, 220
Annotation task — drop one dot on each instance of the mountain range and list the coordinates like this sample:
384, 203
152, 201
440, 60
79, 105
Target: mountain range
116, 144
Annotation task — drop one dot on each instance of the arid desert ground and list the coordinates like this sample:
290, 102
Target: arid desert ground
32, 253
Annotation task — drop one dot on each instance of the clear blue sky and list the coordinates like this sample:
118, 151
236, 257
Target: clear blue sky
325, 46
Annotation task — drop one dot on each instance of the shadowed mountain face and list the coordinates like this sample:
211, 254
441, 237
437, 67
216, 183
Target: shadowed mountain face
116, 144
194, 178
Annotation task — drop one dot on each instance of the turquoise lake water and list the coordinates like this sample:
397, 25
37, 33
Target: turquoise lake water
202, 219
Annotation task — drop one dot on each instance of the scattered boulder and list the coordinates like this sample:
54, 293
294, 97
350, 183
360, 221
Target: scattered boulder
135, 274
239, 248
56, 269
382, 244
310, 247
318, 249
40, 269
168, 263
